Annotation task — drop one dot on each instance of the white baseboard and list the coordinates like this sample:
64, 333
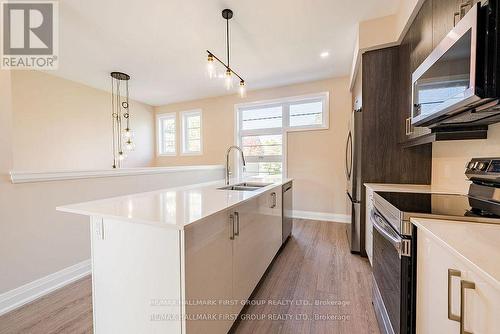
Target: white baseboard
22, 295
324, 216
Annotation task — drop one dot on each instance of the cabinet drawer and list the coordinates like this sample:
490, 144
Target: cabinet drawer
440, 293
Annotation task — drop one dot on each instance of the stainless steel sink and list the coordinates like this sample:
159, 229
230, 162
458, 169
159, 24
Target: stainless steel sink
245, 186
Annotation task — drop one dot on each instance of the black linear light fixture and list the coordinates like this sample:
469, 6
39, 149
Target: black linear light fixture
227, 14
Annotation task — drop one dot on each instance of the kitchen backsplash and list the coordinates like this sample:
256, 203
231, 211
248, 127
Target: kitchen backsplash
449, 159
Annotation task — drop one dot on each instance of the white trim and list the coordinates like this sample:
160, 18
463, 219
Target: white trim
43, 176
183, 116
27, 293
159, 118
324, 216
281, 100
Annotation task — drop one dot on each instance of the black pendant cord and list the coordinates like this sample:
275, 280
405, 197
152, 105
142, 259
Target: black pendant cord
227, 42
227, 14
113, 120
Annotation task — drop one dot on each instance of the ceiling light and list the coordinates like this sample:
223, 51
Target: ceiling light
122, 133
324, 54
211, 66
243, 91
227, 14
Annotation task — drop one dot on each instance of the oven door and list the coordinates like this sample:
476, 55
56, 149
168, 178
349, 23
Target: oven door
387, 271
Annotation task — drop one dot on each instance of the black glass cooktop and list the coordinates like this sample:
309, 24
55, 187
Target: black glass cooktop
441, 204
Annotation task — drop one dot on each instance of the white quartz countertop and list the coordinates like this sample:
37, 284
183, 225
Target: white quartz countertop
420, 188
477, 244
173, 207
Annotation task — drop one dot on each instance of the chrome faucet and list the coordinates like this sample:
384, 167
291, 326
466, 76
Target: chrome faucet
227, 160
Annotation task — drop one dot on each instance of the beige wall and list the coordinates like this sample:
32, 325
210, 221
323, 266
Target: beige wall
61, 124
36, 240
48, 118
315, 158
449, 159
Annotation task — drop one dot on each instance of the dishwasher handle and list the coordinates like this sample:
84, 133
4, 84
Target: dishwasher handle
383, 227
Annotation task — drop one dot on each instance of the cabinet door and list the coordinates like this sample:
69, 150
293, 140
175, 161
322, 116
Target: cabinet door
209, 273
136, 274
443, 17
482, 306
257, 241
433, 263
421, 35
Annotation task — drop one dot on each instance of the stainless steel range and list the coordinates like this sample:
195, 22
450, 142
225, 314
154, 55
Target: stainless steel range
394, 238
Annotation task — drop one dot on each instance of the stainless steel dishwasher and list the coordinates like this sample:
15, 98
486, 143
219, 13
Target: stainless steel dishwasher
287, 210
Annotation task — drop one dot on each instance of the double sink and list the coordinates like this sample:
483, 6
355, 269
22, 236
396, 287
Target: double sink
245, 186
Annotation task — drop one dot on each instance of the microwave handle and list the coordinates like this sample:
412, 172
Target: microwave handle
385, 230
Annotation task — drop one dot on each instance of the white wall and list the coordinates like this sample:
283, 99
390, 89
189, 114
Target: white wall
449, 159
35, 239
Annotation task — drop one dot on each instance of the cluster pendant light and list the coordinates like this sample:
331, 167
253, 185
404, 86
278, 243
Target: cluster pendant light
122, 133
229, 73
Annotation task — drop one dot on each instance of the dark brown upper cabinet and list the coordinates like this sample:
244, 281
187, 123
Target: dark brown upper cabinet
443, 18
421, 35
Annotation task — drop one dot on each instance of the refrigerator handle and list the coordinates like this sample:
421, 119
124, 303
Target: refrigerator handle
348, 160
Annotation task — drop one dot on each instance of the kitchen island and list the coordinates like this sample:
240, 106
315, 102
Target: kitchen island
181, 260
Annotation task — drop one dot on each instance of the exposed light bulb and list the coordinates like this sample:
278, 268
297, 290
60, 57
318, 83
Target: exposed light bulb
121, 156
324, 54
129, 145
211, 66
228, 80
128, 133
243, 90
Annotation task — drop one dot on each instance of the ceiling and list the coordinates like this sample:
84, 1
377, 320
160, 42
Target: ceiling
162, 43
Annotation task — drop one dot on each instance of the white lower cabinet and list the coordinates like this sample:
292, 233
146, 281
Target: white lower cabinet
257, 240
444, 282
224, 265
208, 272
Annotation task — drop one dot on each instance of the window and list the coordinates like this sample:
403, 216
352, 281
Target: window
191, 132
262, 127
166, 130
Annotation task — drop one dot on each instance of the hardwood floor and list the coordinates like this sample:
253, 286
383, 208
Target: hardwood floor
315, 266
314, 286
67, 310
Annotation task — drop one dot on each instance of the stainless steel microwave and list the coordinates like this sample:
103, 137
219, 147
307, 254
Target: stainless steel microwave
457, 84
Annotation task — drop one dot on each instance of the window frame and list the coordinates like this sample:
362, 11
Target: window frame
159, 133
285, 127
183, 116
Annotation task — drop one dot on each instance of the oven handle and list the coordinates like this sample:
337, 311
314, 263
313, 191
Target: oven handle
386, 230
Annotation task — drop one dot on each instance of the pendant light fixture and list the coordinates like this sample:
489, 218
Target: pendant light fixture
227, 14
122, 133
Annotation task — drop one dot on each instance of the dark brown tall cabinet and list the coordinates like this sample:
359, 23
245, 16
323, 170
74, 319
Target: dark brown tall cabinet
383, 89
383, 157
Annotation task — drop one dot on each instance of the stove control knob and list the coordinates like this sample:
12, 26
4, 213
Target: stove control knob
470, 165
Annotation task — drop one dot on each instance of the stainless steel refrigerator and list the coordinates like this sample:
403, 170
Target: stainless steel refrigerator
353, 175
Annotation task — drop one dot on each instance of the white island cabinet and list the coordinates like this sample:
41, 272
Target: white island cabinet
180, 260
458, 277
